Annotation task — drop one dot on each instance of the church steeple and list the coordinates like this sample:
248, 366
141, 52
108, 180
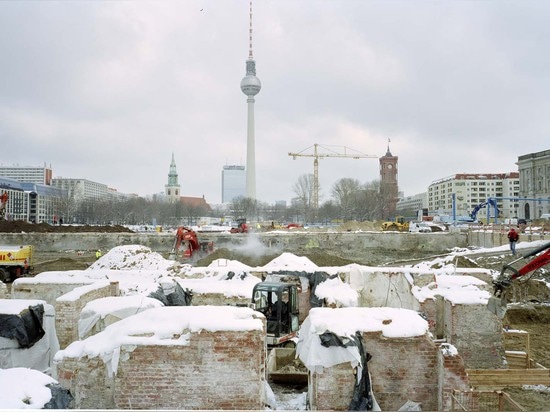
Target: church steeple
172, 188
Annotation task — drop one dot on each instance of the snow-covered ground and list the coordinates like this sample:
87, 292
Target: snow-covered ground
140, 271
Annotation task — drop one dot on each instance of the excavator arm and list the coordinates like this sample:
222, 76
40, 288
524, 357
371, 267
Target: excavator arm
188, 238
505, 279
509, 273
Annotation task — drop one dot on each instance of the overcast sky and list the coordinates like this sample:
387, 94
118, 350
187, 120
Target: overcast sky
108, 90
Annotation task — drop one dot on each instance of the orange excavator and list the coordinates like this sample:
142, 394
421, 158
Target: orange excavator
186, 239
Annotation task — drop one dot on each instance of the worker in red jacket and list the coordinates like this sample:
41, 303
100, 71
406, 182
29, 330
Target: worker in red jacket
513, 237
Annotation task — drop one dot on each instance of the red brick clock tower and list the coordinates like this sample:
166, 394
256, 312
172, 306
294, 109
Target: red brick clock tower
389, 187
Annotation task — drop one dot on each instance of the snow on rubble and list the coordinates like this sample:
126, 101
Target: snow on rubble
133, 257
140, 271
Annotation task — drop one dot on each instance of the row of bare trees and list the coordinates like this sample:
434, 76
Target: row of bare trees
350, 200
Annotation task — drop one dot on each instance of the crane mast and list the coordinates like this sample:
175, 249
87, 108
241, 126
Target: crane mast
346, 153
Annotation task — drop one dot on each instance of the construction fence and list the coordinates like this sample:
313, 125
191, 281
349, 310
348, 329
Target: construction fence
483, 401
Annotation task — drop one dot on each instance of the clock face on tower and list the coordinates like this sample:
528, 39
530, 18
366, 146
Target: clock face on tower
390, 166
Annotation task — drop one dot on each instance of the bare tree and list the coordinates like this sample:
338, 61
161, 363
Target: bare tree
244, 207
344, 192
303, 188
372, 201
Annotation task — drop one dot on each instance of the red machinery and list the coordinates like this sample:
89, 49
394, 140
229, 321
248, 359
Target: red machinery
186, 239
242, 227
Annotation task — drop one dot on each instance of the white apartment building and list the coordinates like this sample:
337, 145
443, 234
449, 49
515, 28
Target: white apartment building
28, 174
461, 193
82, 189
534, 176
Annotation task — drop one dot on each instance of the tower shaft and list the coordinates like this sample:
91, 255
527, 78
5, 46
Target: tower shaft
250, 152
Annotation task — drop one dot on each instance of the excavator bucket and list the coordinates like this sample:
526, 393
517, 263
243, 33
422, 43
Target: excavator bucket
497, 305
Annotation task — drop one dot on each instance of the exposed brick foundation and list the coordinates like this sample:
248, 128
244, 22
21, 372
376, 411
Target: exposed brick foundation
68, 310
476, 333
216, 370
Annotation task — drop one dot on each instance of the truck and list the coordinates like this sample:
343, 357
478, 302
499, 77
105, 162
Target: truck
279, 303
15, 262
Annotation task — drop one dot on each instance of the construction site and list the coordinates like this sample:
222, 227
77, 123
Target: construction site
346, 319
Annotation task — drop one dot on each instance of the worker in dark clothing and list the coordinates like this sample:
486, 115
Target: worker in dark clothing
513, 237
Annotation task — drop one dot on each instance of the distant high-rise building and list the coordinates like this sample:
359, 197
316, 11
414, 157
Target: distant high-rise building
463, 193
233, 183
28, 174
172, 188
250, 85
82, 189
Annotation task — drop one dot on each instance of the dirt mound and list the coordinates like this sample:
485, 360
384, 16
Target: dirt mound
64, 263
19, 226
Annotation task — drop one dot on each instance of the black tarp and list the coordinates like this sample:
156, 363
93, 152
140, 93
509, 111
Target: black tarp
179, 297
361, 399
25, 327
313, 278
61, 397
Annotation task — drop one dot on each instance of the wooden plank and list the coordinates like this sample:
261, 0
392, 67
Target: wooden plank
506, 371
500, 378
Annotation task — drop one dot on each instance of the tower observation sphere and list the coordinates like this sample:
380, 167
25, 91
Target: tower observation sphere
250, 84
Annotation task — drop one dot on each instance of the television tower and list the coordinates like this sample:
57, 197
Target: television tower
250, 85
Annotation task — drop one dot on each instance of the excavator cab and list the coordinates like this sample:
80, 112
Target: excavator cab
279, 303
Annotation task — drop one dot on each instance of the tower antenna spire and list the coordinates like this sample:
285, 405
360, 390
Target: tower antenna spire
250, 56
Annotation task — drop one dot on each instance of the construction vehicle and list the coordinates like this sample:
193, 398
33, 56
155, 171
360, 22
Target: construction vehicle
15, 262
488, 202
508, 274
242, 227
399, 224
279, 303
187, 240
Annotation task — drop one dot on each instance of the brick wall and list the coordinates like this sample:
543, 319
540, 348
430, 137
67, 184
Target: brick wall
215, 371
401, 369
452, 375
476, 333
29, 288
218, 299
332, 389
88, 382
69, 306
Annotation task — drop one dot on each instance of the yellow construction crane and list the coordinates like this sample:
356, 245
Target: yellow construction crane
347, 153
